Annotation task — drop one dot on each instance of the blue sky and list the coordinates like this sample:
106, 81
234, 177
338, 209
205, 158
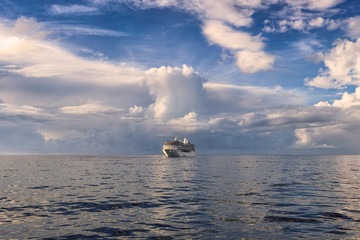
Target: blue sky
235, 76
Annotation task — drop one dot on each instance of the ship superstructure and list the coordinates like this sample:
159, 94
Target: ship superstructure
177, 148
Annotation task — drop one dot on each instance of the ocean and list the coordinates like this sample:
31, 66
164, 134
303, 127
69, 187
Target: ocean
206, 197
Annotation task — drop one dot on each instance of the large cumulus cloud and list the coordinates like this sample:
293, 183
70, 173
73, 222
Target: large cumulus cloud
176, 91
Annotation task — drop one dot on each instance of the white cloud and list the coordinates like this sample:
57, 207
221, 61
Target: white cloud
66, 29
298, 24
308, 22
303, 138
136, 110
72, 9
148, 3
343, 67
304, 15
333, 24
308, 137
301, 23
34, 57
223, 35
22, 113
90, 108
237, 13
218, 17
317, 22
314, 4
26, 110
177, 91
307, 48
322, 104
250, 58
23, 27
352, 27
323, 4
188, 123
251, 62
348, 99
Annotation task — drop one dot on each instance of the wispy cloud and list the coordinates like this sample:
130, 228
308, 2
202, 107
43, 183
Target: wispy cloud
313, 4
220, 33
303, 15
72, 9
74, 29
44, 59
90, 108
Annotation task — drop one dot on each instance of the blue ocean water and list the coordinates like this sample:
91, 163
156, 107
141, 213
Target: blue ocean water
207, 197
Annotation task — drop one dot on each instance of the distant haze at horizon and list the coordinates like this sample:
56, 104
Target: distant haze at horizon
235, 76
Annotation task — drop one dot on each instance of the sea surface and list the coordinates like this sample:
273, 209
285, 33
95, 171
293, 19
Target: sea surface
206, 197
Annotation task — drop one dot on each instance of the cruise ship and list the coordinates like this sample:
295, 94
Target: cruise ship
177, 148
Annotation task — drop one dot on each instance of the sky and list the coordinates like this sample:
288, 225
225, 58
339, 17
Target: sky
234, 76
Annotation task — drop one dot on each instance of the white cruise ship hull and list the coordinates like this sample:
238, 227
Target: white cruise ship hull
177, 153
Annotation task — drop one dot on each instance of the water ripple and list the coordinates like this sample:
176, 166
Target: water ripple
207, 197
